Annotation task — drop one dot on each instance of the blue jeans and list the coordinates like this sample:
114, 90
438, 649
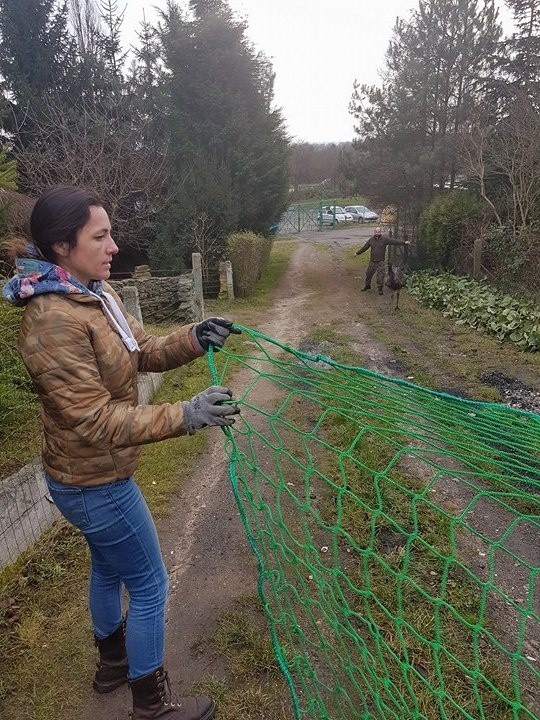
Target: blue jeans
124, 547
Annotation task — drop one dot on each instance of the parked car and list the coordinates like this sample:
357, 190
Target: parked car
342, 211
361, 213
331, 211
327, 218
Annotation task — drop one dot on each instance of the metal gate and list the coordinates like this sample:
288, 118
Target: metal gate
298, 218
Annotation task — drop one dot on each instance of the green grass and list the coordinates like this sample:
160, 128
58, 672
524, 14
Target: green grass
264, 288
19, 407
441, 354
253, 686
376, 512
247, 650
49, 585
46, 629
47, 625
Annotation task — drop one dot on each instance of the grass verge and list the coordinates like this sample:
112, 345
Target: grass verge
439, 353
253, 687
19, 407
262, 293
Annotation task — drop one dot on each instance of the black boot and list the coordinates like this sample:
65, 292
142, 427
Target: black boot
152, 699
112, 668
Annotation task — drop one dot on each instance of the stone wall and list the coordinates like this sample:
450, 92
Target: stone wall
163, 300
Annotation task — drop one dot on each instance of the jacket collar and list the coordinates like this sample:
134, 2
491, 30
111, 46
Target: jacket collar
39, 277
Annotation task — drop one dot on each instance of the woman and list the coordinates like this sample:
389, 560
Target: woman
83, 353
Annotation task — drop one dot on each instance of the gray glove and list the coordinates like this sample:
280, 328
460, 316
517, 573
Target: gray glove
207, 408
213, 331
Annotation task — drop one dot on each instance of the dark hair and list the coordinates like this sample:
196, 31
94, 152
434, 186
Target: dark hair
58, 215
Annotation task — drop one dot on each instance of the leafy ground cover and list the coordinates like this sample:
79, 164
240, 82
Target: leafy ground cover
19, 410
480, 306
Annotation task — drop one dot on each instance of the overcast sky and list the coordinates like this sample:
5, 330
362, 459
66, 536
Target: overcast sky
317, 49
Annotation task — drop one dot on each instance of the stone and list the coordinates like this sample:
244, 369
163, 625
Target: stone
141, 272
163, 299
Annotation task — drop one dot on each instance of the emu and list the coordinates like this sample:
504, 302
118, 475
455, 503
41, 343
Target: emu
395, 280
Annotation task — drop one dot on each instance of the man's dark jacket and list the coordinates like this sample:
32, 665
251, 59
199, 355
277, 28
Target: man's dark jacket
378, 245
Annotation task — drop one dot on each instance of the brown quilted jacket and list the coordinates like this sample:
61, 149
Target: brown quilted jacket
87, 383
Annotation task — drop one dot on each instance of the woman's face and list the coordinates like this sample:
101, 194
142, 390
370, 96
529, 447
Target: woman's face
91, 257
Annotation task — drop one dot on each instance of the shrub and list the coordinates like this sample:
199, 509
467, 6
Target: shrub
18, 401
444, 224
513, 257
248, 253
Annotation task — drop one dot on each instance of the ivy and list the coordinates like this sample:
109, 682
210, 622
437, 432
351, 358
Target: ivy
480, 306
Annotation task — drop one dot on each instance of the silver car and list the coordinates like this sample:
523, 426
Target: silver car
331, 211
361, 213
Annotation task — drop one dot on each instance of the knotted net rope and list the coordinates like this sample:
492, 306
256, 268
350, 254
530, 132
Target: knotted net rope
397, 533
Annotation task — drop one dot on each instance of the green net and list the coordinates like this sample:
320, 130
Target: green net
397, 535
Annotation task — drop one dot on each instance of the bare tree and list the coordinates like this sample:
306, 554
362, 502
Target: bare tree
85, 21
516, 155
205, 241
107, 150
508, 154
474, 161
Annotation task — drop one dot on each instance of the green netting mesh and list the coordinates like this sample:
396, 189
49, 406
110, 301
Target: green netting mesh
397, 534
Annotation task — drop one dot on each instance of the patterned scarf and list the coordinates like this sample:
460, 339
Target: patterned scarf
38, 277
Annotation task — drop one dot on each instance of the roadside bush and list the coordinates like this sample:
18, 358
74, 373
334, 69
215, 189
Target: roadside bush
248, 253
513, 258
9, 329
444, 224
18, 402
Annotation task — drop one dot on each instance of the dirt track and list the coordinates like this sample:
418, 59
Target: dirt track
209, 561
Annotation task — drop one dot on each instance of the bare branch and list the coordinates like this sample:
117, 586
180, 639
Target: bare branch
104, 150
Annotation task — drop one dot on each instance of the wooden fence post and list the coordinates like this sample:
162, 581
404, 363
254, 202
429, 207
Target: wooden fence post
196, 261
229, 276
130, 298
147, 383
477, 258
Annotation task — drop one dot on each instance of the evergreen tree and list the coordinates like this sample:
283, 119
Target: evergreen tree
8, 172
8, 181
113, 55
520, 61
36, 51
501, 151
218, 103
100, 60
437, 66
145, 70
